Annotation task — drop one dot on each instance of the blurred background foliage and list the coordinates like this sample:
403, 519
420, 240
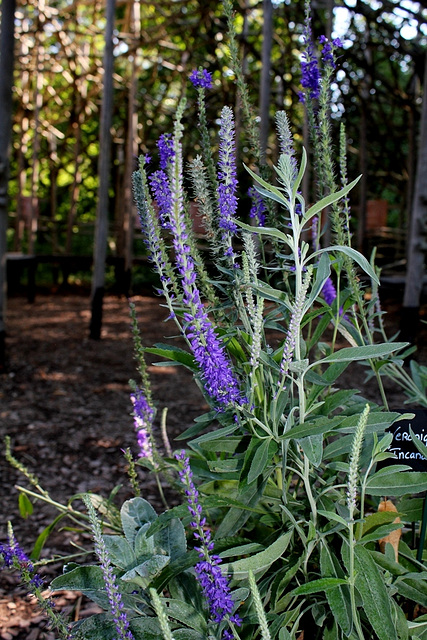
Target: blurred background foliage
58, 96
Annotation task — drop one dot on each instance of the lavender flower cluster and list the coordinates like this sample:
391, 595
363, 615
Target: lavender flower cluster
143, 420
214, 584
114, 596
201, 78
15, 558
219, 380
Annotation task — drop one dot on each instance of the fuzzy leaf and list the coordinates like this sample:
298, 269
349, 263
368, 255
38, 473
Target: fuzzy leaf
328, 200
338, 598
134, 514
315, 586
365, 352
79, 579
239, 570
179, 356
354, 255
388, 482
371, 587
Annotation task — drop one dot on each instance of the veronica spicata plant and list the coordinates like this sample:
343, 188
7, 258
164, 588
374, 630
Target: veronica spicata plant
285, 472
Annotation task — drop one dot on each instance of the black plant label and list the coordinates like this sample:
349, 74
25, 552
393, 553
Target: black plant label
403, 446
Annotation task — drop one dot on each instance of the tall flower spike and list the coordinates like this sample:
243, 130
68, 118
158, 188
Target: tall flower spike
143, 420
356, 450
217, 375
201, 78
310, 72
209, 575
114, 596
258, 209
227, 199
293, 329
159, 183
150, 228
165, 147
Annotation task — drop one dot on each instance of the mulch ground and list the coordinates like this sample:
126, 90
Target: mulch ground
64, 402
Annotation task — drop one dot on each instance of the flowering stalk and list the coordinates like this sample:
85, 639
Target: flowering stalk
263, 624
13, 557
209, 575
143, 414
219, 380
352, 483
161, 615
202, 81
227, 199
114, 596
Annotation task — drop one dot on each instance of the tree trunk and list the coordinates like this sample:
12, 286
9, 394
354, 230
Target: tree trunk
101, 227
6, 84
418, 234
264, 107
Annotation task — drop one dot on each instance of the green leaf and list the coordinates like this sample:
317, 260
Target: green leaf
378, 519
312, 428
119, 551
185, 613
134, 514
100, 627
371, 587
413, 589
171, 539
80, 579
270, 189
390, 482
25, 505
179, 356
218, 434
315, 586
259, 461
354, 255
43, 536
329, 199
338, 598
312, 447
264, 231
330, 515
239, 569
417, 442
365, 352
145, 572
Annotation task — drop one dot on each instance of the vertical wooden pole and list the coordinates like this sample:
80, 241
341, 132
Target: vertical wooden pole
265, 88
416, 249
101, 227
6, 84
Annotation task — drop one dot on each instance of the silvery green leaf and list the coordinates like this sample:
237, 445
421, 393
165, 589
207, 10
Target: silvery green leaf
328, 200
119, 551
390, 482
354, 255
134, 514
365, 352
239, 570
270, 189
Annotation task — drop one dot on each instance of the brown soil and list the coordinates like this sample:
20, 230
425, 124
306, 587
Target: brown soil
64, 402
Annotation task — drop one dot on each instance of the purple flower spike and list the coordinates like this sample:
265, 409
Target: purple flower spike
214, 584
329, 292
328, 50
227, 172
258, 208
143, 420
201, 78
160, 186
215, 368
165, 147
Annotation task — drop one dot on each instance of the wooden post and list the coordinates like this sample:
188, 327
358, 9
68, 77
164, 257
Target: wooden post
416, 249
265, 91
101, 227
6, 84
